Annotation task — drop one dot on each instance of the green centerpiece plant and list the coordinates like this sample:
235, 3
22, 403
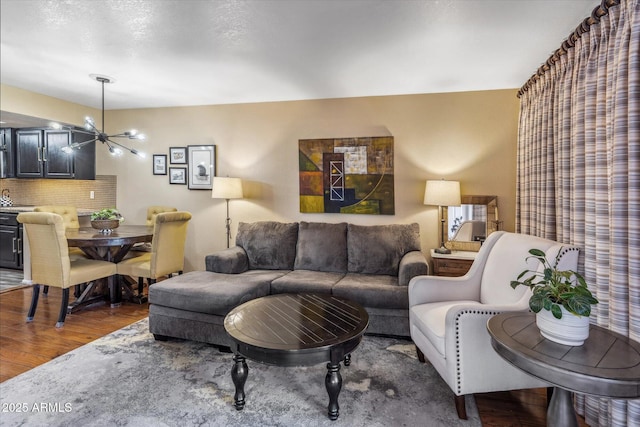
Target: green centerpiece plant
106, 220
107, 214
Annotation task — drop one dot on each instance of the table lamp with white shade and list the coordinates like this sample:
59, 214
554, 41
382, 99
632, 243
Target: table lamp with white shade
442, 193
227, 188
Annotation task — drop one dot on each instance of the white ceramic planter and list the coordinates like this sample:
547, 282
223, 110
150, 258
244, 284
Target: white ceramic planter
570, 330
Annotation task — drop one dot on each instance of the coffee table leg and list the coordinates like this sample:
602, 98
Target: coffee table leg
347, 360
333, 382
239, 374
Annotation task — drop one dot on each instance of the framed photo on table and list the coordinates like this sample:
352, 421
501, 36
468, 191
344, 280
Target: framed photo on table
178, 176
202, 166
178, 155
159, 164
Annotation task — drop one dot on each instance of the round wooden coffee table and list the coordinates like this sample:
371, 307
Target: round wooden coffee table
295, 330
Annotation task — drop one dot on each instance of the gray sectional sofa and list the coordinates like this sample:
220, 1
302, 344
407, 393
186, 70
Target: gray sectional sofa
371, 265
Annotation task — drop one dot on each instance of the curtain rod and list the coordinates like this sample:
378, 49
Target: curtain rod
601, 10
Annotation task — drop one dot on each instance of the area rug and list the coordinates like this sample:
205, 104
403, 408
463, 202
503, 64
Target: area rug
129, 379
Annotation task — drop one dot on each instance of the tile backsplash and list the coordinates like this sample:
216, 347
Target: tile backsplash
70, 192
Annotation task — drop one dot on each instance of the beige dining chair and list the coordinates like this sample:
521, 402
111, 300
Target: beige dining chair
51, 264
152, 211
70, 220
167, 250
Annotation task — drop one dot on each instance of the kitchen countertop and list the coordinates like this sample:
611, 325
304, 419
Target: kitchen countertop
18, 209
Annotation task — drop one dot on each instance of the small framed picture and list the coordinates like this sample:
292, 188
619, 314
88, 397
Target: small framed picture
202, 166
178, 155
159, 164
177, 176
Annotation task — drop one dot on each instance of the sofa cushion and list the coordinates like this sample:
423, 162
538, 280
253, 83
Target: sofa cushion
322, 247
377, 249
211, 293
269, 245
381, 291
306, 281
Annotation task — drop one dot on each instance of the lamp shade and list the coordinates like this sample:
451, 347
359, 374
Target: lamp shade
226, 188
442, 193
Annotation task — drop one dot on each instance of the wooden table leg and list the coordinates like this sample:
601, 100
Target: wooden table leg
239, 374
333, 382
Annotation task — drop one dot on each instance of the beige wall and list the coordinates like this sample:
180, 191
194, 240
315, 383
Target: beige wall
470, 137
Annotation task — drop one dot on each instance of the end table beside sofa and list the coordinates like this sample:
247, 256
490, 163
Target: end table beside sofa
371, 265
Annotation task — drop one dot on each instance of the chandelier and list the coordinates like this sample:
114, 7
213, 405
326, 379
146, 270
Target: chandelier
115, 148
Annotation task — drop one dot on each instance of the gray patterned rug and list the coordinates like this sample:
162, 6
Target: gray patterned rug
129, 379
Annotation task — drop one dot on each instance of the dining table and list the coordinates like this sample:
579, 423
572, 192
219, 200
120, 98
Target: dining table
113, 247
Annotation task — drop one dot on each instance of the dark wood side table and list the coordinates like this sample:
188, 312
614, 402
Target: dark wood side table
457, 263
295, 330
607, 364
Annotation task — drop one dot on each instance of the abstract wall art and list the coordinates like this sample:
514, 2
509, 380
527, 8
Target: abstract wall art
347, 175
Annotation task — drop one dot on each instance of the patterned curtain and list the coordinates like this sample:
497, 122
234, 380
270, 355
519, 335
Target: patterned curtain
579, 174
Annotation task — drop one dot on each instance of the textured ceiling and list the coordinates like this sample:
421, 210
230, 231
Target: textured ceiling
185, 52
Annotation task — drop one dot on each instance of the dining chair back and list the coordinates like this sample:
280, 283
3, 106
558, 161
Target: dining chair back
69, 214
152, 211
51, 264
167, 250
70, 220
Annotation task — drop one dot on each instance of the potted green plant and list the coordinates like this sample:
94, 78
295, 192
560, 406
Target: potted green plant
560, 298
106, 219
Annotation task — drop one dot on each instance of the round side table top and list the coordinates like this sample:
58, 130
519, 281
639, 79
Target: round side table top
607, 364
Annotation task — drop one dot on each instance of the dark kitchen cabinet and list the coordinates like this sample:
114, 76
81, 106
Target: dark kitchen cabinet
7, 153
10, 241
39, 154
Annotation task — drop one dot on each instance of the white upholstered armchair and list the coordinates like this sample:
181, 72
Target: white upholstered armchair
448, 315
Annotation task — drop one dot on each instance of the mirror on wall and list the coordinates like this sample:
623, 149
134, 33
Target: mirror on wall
469, 224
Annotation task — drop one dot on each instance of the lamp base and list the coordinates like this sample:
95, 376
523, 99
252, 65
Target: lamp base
442, 250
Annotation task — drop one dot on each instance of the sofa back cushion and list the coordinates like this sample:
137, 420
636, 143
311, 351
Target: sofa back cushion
269, 245
378, 249
322, 247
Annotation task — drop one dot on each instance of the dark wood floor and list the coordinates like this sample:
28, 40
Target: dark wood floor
24, 346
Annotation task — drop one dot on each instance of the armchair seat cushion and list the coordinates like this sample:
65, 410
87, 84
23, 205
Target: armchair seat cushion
430, 319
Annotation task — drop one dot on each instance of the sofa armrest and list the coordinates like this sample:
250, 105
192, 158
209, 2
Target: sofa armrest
426, 289
412, 264
230, 261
